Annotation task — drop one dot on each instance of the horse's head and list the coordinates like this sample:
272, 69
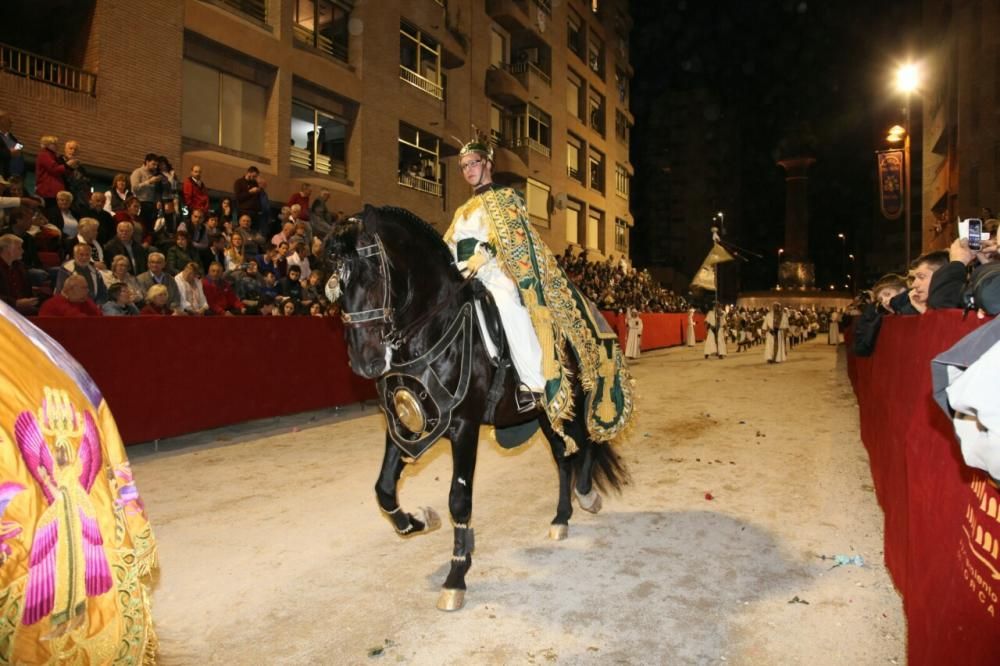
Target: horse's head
361, 274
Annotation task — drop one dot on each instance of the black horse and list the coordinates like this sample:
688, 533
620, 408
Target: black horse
410, 323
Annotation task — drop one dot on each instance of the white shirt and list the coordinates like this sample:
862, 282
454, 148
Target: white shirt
192, 296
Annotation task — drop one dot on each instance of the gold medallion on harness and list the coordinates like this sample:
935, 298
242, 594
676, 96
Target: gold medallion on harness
408, 411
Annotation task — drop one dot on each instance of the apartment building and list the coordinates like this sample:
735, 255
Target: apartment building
369, 99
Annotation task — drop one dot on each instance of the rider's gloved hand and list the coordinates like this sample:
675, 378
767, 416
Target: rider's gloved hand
475, 262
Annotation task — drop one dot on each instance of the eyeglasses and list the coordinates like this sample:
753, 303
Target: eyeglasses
471, 163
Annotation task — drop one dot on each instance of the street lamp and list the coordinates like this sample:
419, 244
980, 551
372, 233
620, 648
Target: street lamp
907, 82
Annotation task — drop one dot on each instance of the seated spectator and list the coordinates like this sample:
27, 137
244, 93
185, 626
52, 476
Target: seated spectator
21, 220
252, 241
300, 259
301, 199
194, 191
117, 197
167, 222
125, 244
82, 265
948, 284
226, 210
266, 307
289, 308
157, 302
121, 272
86, 233
290, 288
921, 271
302, 234
180, 254
320, 216
215, 252
312, 292
157, 275
235, 258
63, 217
270, 262
15, 287
120, 303
72, 301
130, 213
192, 295
105, 222
316, 258
269, 290
196, 228
248, 283
219, 294
285, 235
316, 309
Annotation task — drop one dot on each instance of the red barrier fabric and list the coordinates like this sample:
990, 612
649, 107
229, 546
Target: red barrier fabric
167, 376
942, 518
658, 329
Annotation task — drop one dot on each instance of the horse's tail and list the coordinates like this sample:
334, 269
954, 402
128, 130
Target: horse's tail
608, 470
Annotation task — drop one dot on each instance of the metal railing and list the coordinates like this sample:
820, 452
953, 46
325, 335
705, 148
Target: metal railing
319, 42
531, 144
422, 184
255, 9
417, 80
40, 68
545, 6
522, 69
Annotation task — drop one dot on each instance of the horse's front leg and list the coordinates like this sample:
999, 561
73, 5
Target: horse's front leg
464, 447
405, 524
559, 528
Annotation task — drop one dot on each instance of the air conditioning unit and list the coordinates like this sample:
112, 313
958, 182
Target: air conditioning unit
559, 201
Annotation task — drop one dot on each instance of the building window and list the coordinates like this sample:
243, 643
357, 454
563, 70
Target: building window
622, 181
621, 34
576, 37
596, 160
595, 228
420, 60
621, 235
499, 48
574, 217
319, 141
595, 110
420, 160
595, 54
621, 85
574, 95
538, 202
574, 158
622, 128
255, 9
222, 110
533, 129
497, 126
322, 24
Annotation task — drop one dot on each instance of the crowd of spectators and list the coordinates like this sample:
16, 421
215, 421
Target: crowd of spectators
614, 286
154, 243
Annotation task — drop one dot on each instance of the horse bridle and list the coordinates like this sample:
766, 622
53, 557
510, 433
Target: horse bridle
385, 315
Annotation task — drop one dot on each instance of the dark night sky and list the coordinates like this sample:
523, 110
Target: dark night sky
779, 70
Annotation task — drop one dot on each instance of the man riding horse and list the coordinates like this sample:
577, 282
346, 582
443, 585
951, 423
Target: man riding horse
541, 309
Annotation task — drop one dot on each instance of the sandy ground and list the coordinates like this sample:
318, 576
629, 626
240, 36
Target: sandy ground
273, 551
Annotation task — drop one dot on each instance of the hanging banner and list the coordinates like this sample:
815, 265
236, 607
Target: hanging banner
705, 277
890, 179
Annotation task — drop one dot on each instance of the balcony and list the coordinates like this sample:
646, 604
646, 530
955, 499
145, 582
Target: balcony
322, 43
38, 68
531, 76
414, 79
431, 187
526, 145
505, 88
520, 15
252, 9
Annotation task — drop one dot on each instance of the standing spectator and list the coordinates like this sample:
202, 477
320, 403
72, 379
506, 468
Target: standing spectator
105, 223
319, 214
11, 158
120, 303
633, 344
125, 244
181, 253
195, 192
82, 264
157, 275
62, 216
262, 224
117, 197
921, 271
192, 295
157, 302
226, 210
221, 298
247, 193
15, 287
72, 301
167, 189
775, 326
691, 338
77, 180
301, 198
86, 233
50, 171
145, 181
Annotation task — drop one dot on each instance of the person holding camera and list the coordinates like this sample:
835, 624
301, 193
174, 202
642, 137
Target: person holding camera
967, 253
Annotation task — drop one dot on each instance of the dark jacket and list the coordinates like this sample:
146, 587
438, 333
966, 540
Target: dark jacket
116, 247
901, 304
246, 201
947, 285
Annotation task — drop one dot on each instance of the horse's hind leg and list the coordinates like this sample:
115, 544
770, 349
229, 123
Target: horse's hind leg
586, 495
559, 528
464, 445
405, 524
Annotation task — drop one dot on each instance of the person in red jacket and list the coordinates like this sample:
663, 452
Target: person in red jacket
219, 294
50, 171
195, 192
302, 199
72, 302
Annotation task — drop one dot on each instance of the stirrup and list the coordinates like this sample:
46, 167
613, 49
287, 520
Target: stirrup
526, 400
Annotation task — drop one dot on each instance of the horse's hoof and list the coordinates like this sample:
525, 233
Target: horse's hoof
558, 532
430, 518
451, 600
591, 502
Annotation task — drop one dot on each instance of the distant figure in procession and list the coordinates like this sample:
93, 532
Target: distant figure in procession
834, 334
775, 326
633, 345
690, 331
715, 340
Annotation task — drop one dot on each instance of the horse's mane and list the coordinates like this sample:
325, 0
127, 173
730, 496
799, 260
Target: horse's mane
421, 228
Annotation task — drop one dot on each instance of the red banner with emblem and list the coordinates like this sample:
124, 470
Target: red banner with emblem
890, 180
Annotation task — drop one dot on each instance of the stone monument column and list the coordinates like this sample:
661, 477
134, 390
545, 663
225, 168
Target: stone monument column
796, 271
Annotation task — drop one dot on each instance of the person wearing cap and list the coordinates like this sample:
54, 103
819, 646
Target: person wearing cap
541, 310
